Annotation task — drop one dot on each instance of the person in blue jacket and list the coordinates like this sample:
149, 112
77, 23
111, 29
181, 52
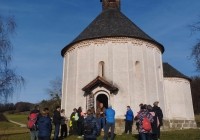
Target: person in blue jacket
110, 122
129, 120
44, 125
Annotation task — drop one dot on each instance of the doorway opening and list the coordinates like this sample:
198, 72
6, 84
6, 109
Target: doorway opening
102, 98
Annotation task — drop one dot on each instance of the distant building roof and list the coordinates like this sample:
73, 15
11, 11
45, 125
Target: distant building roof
169, 71
112, 23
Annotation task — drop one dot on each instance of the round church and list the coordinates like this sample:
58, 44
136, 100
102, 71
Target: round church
114, 62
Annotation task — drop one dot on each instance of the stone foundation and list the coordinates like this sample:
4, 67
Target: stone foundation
179, 124
167, 125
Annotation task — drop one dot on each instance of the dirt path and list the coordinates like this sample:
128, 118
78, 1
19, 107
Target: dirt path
20, 124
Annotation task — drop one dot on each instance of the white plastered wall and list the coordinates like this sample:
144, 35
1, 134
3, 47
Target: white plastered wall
134, 66
178, 99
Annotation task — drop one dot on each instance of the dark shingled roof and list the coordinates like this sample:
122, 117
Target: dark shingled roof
169, 71
99, 82
112, 23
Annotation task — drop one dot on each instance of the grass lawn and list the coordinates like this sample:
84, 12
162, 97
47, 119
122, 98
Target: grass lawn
21, 118
191, 134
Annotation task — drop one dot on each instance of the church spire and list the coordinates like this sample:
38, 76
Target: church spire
108, 4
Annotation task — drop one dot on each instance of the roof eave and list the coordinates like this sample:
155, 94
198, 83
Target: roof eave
67, 47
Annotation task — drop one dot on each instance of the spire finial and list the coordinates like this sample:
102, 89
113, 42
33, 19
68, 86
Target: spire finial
107, 4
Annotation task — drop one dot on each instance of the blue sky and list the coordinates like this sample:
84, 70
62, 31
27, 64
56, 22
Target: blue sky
44, 27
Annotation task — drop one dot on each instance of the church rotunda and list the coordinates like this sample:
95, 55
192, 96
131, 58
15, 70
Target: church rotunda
114, 62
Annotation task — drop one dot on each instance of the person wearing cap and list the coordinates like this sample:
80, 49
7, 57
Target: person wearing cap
110, 122
129, 120
159, 113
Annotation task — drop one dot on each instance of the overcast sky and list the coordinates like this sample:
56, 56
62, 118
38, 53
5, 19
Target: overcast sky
44, 27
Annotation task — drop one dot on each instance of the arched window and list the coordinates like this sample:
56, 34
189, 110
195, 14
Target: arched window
101, 68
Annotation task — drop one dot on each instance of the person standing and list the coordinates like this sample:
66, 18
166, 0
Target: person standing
73, 122
100, 114
44, 125
57, 122
110, 122
129, 120
63, 124
32, 119
159, 113
144, 133
154, 125
80, 122
91, 126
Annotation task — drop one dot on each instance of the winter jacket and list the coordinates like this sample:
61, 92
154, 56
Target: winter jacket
44, 126
110, 115
159, 113
56, 117
143, 113
91, 122
129, 115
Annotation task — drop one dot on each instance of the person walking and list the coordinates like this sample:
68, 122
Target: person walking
144, 120
110, 122
44, 125
63, 124
57, 122
129, 120
91, 126
32, 122
159, 113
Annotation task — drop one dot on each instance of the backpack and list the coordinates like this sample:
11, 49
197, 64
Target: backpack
32, 118
89, 126
146, 124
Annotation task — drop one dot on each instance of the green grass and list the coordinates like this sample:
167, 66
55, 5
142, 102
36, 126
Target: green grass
23, 136
9, 128
191, 134
21, 118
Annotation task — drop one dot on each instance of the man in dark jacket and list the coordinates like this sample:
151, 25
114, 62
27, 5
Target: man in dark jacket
91, 127
129, 120
159, 113
44, 125
57, 121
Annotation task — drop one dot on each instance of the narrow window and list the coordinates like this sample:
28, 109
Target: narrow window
101, 68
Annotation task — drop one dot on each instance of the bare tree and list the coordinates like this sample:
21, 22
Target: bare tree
196, 93
9, 80
196, 48
55, 90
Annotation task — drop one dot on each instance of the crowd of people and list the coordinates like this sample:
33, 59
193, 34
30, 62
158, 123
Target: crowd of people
89, 125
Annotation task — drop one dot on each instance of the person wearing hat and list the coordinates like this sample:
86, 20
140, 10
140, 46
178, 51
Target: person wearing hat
159, 113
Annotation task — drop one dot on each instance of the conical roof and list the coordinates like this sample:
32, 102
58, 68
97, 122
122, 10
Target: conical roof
112, 23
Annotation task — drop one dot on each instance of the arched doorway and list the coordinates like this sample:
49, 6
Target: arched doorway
102, 98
